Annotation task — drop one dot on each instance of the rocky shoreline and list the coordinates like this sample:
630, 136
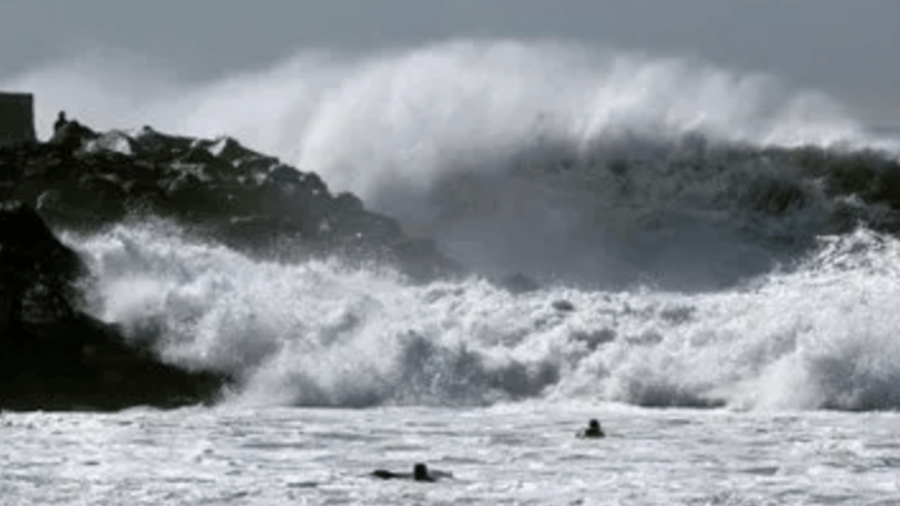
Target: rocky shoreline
53, 355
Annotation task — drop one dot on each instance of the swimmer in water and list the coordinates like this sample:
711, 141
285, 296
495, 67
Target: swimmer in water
420, 473
593, 430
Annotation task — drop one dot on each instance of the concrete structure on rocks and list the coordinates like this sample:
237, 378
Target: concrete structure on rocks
16, 118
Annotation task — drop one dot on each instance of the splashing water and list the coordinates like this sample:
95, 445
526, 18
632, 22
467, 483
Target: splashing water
318, 334
578, 166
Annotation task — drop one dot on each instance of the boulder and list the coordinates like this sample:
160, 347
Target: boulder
72, 135
87, 180
54, 356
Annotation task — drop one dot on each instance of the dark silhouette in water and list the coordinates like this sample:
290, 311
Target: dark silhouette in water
593, 430
420, 473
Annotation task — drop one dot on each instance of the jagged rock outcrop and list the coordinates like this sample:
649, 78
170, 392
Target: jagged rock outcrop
54, 356
85, 180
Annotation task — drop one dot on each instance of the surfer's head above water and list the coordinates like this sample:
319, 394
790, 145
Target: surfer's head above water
420, 472
593, 429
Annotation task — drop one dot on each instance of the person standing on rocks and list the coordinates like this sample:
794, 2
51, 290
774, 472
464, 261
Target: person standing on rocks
60, 122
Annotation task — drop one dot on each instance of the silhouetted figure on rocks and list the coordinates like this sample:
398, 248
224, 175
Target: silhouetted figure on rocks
60, 122
593, 430
420, 473
70, 134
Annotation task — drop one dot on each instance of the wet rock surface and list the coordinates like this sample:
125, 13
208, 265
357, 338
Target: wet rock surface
53, 354
85, 180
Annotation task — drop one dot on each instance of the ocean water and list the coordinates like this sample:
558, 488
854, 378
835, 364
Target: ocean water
739, 350
523, 453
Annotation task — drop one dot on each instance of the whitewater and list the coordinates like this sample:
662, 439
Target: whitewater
739, 348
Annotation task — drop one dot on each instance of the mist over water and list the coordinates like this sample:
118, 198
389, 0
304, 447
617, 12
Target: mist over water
464, 141
600, 173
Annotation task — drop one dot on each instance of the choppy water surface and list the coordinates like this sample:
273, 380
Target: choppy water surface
511, 454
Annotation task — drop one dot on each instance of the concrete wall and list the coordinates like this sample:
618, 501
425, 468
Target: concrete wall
16, 118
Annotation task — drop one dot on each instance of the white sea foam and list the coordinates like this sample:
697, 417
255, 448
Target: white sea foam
315, 333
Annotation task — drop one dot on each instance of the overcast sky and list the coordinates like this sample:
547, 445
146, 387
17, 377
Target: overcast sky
846, 48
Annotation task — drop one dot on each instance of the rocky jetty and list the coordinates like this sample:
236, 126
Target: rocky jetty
53, 355
85, 180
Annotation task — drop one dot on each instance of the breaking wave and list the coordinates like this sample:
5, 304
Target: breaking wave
702, 237
820, 336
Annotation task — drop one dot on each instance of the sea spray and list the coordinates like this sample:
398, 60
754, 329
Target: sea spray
560, 161
316, 333
672, 224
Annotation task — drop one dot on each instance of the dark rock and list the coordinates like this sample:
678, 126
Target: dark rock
230, 150
54, 356
29, 250
72, 135
282, 174
253, 203
111, 142
348, 203
159, 146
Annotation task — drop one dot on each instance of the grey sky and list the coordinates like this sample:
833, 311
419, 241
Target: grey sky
846, 48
